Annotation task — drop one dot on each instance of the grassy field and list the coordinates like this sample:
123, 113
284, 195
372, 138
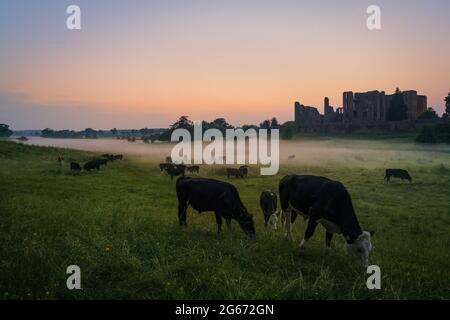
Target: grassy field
121, 227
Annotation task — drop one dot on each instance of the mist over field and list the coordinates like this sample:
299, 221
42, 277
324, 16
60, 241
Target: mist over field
321, 152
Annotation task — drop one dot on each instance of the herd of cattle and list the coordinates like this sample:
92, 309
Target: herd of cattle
94, 164
317, 199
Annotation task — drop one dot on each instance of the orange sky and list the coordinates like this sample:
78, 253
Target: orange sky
239, 60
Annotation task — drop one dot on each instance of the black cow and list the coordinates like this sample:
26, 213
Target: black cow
244, 171
220, 197
397, 173
163, 166
193, 169
238, 173
118, 157
327, 202
94, 164
175, 170
110, 157
268, 204
75, 166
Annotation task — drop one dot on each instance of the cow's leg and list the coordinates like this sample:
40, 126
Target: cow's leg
288, 224
328, 237
219, 221
312, 224
228, 223
182, 209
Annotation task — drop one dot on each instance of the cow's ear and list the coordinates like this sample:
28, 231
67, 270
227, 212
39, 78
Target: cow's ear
372, 233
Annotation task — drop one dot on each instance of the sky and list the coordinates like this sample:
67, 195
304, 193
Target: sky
144, 63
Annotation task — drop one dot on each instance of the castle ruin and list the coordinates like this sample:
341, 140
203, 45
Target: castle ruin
360, 111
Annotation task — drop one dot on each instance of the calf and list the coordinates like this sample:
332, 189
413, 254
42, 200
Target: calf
397, 173
75, 167
268, 204
220, 197
327, 202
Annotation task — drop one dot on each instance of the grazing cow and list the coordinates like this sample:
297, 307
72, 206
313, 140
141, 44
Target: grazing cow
176, 170
110, 157
193, 169
75, 167
327, 202
102, 162
238, 173
91, 165
244, 170
268, 204
94, 164
397, 173
163, 166
220, 197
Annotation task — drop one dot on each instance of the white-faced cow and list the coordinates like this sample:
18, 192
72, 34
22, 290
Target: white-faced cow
321, 200
220, 197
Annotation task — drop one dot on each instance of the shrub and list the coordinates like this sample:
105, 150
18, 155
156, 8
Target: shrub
426, 135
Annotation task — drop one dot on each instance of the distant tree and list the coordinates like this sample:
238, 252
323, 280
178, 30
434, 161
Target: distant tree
5, 131
287, 131
397, 110
274, 123
182, 123
114, 131
447, 106
90, 133
442, 132
265, 124
426, 135
47, 132
245, 127
428, 114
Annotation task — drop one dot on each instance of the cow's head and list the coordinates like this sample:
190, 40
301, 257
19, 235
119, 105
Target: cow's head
360, 248
246, 222
273, 221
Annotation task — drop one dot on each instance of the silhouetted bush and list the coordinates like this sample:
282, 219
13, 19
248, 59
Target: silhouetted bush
426, 135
